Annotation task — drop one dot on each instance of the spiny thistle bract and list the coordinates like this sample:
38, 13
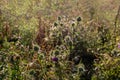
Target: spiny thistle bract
36, 48
79, 19
59, 18
55, 24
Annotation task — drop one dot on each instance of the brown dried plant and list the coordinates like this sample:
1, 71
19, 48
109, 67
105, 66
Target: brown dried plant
42, 34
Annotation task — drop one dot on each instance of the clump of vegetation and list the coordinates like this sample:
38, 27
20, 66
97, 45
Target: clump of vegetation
35, 46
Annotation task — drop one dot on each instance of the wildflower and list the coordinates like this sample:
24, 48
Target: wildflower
36, 48
32, 72
48, 66
118, 45
73, 24
59, 18
56, 52
61, 24
79, 19
55, 24
55, 59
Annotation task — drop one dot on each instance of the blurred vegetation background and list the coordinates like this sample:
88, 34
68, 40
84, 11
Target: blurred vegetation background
29, 9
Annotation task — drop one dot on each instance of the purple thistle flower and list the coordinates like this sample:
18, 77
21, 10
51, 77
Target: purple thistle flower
55, 59
118, 45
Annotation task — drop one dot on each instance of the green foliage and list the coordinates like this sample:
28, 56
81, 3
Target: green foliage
108, 69
73, 47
